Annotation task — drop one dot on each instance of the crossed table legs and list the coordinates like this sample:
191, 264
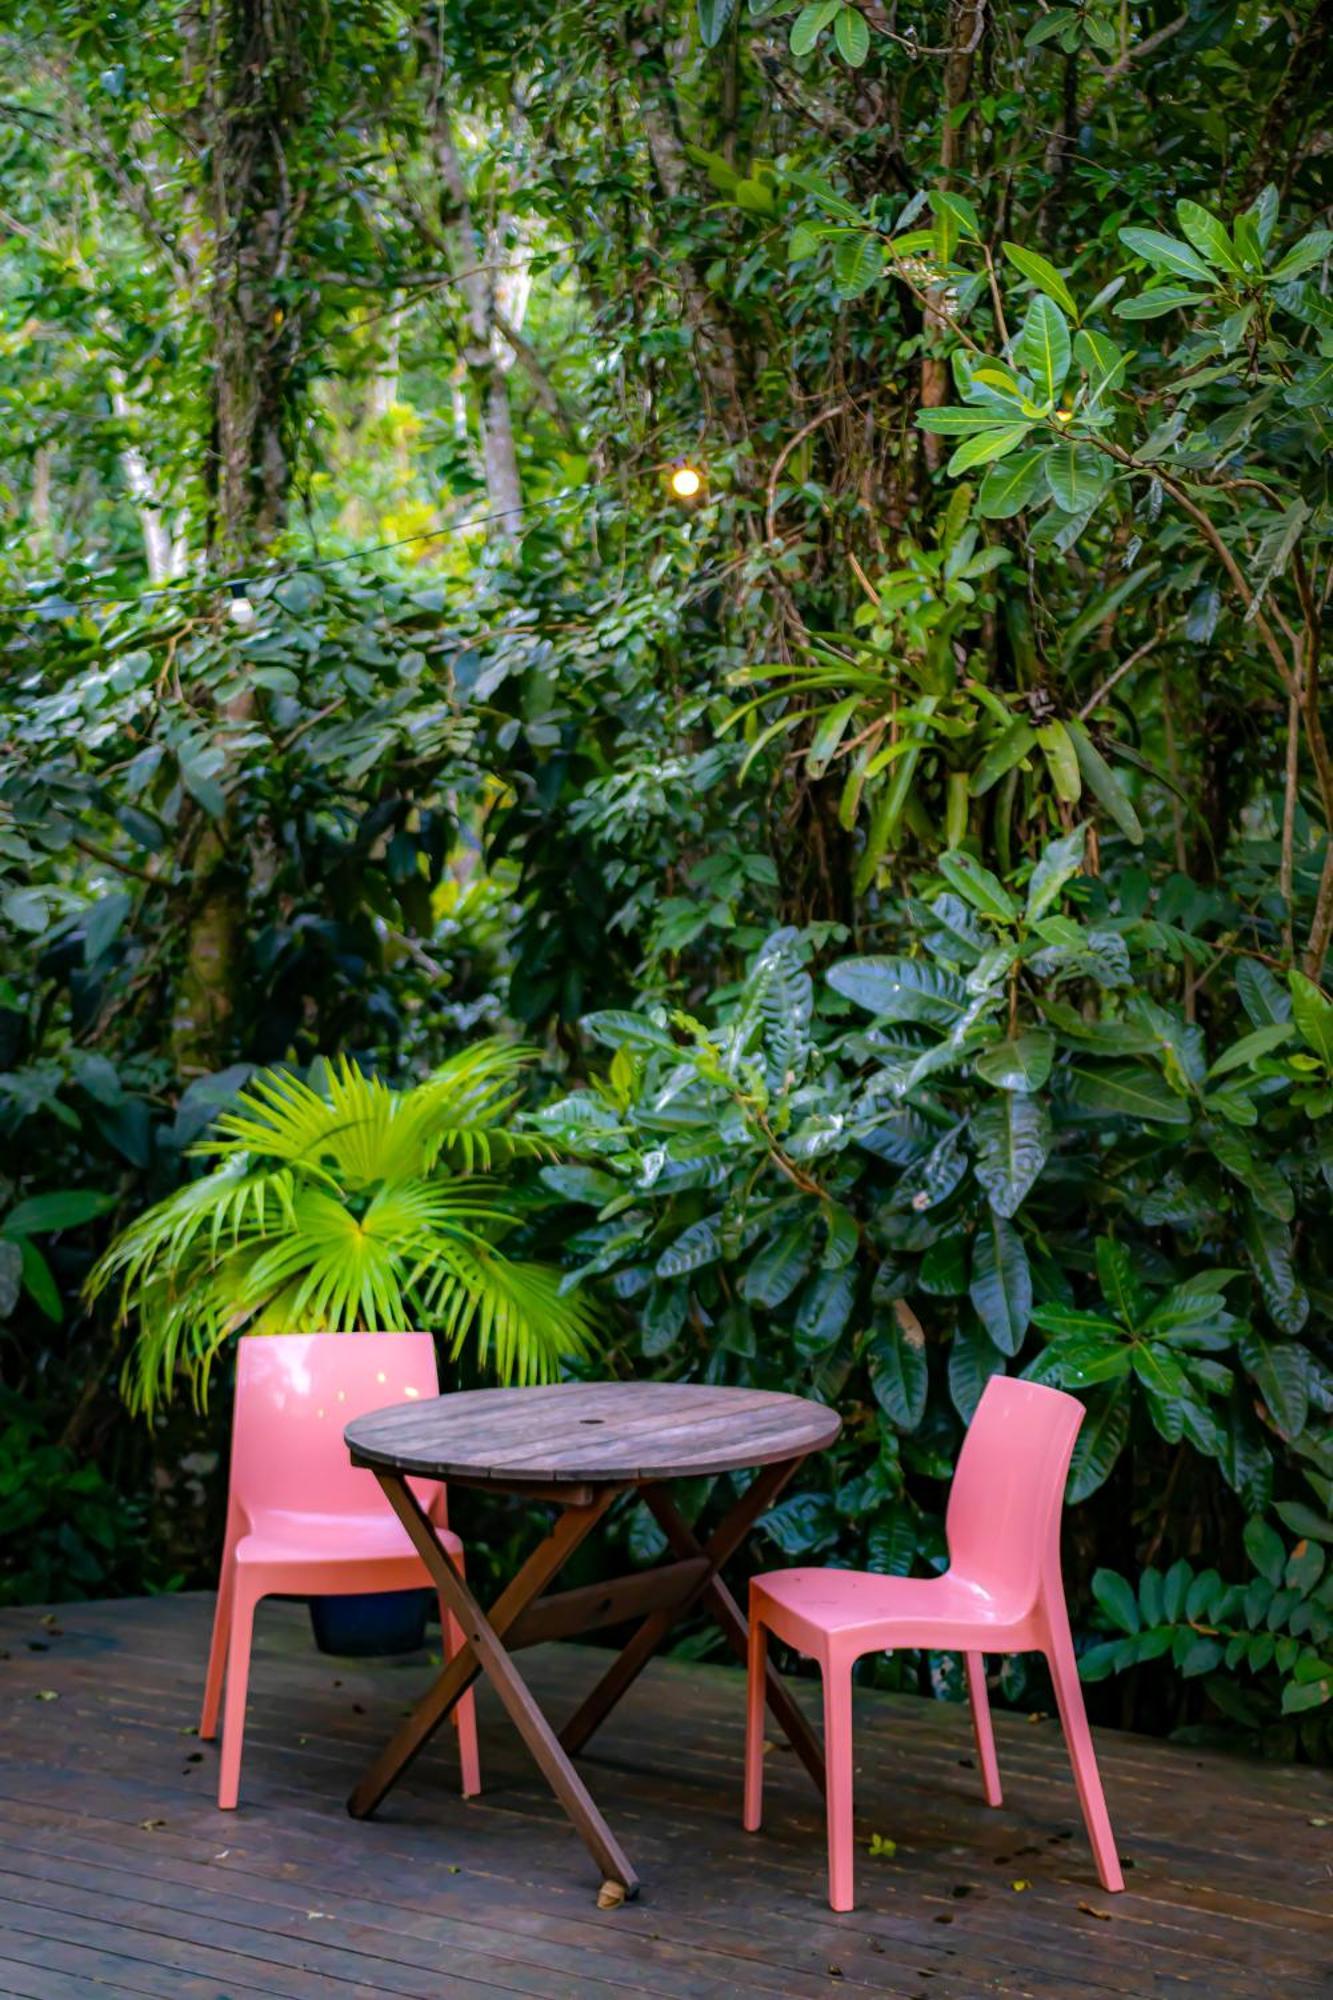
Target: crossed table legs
522, 1616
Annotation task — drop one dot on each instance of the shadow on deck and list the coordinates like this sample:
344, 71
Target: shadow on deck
119, 1876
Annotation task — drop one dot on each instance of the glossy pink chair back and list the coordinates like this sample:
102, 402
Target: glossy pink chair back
295, 1395
1003, 1521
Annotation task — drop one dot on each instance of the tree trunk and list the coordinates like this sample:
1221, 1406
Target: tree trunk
253, 110
256, 108
474, 270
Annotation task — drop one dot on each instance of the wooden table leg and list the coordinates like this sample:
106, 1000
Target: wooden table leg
731, 1531
484, 1649
736, 1627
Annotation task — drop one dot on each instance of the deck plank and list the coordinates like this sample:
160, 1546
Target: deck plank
119, 1876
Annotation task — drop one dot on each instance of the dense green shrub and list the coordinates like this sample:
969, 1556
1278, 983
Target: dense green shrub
336, 725
1004, 1147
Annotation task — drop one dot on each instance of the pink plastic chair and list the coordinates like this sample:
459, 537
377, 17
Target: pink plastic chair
1002, 1593
301, 1519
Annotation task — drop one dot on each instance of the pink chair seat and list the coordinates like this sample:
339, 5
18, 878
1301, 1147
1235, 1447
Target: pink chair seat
879, 1613
301, 1517
1002, 1593
314, 1538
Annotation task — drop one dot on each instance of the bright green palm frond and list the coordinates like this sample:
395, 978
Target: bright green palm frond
514, 1314
188, 1230
279, 1117
357, 1131
460, 1112
280, 1238
340, 1276
184, 1317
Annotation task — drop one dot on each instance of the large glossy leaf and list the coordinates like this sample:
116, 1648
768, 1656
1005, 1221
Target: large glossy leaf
1313, 1015
1209, 237
1265, 1181
973, 1359
1043, 346
852, 35
1099, 1444
1168, 253
713, 18
1043, 274
1119, 1281
1077, 475
1023, 1062
43, 1214
1059, 861
902, 989
1280, 1371
976, 884
1011, 485
1126, 1090
824, 1311
1103, 783
696, 1246
1268, 1241
987, 445
898, 1369
1261, 994
1001, 1283
1011, 1136
777, 1269
1117, 1599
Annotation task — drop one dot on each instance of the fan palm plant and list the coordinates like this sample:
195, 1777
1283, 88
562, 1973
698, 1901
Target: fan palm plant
345, 1209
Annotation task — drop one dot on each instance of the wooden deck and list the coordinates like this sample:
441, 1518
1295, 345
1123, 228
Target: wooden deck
119, 1876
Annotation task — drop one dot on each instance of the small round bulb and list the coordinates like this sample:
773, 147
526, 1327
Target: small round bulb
685, 482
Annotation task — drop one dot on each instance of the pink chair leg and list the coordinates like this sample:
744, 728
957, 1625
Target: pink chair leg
464, 1717
753, 1810
1078, 1738
838, 1762
238, 1677
217, 1650
981, 1729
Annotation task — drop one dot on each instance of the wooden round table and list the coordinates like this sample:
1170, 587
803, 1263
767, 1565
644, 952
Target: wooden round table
579, 1446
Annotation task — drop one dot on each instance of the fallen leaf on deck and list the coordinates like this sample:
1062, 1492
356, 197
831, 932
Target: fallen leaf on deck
151, 1825
1020, 1885
1090, 1910
882, 1849
46, 1694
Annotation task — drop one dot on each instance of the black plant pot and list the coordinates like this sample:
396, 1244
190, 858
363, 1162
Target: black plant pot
372, 1624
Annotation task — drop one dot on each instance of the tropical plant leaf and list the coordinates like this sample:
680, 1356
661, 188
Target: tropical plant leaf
1011, 1136
973, 1359
1100, 1442
1043, 274
1125, 1090
898, 1374
902, 989
1168, 253
1043, 346
1001, 1282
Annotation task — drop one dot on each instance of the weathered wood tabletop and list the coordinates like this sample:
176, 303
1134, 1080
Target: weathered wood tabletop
580, 1446
590, 1434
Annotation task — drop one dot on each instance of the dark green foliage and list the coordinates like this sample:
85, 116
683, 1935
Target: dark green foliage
928, 821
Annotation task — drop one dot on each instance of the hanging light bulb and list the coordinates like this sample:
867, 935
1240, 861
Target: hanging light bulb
240, 610
686, 480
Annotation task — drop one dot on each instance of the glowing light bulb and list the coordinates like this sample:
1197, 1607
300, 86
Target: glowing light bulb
685, 482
